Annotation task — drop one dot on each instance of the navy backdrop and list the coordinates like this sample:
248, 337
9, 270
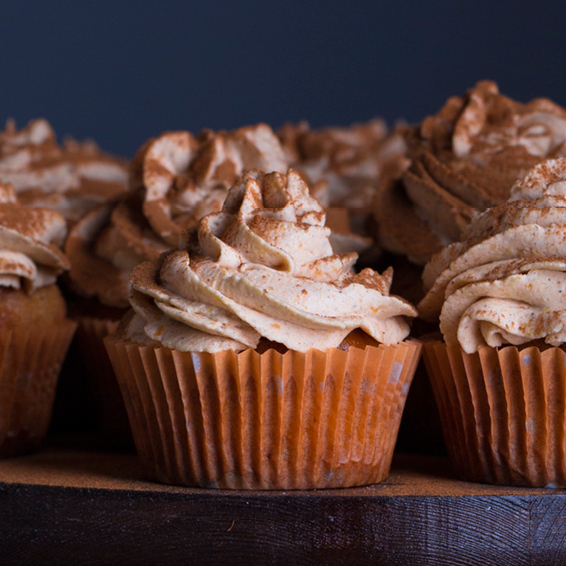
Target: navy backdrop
121, 71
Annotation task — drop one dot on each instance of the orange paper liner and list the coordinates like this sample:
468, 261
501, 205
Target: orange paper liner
503, 412
30, 361
110, 411
269, 421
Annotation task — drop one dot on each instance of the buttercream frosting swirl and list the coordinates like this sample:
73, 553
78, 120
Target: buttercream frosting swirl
176, 179
505, 282
464, 160
30, 242
262, 267
345, 165
71, 178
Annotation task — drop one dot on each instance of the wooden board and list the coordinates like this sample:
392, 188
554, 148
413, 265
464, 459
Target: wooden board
70, 506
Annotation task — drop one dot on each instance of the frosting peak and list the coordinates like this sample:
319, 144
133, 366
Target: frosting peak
351, 160
271, 220
263, 266
184, 178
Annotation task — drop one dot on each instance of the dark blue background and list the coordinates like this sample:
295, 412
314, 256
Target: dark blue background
123, 71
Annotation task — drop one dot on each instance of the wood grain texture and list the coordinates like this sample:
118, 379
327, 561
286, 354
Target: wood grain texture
420, 515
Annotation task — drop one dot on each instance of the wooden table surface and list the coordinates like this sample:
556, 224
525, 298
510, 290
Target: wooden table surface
65, 505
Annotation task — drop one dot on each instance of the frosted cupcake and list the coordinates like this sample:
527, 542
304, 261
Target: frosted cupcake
500, 377
175, 179
34, 330
236, 366
464, 159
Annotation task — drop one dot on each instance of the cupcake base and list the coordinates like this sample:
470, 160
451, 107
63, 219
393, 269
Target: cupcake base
503, 412
269, 421
30, 361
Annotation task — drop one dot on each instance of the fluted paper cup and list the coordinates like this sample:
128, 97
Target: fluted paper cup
30, 362
269, 421
503, 412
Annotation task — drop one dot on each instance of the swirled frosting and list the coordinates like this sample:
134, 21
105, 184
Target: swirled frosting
345, 164
505, 282
465, 159
176, 179
262, 267
30, 242
72, 178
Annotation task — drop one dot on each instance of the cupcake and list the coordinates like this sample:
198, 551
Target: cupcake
464, 159
175, 179
72, 178
34, 330
255, 358
499, 377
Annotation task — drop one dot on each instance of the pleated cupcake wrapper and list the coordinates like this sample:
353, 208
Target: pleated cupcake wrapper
110, 411
269, 421
30, 361
503, 412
